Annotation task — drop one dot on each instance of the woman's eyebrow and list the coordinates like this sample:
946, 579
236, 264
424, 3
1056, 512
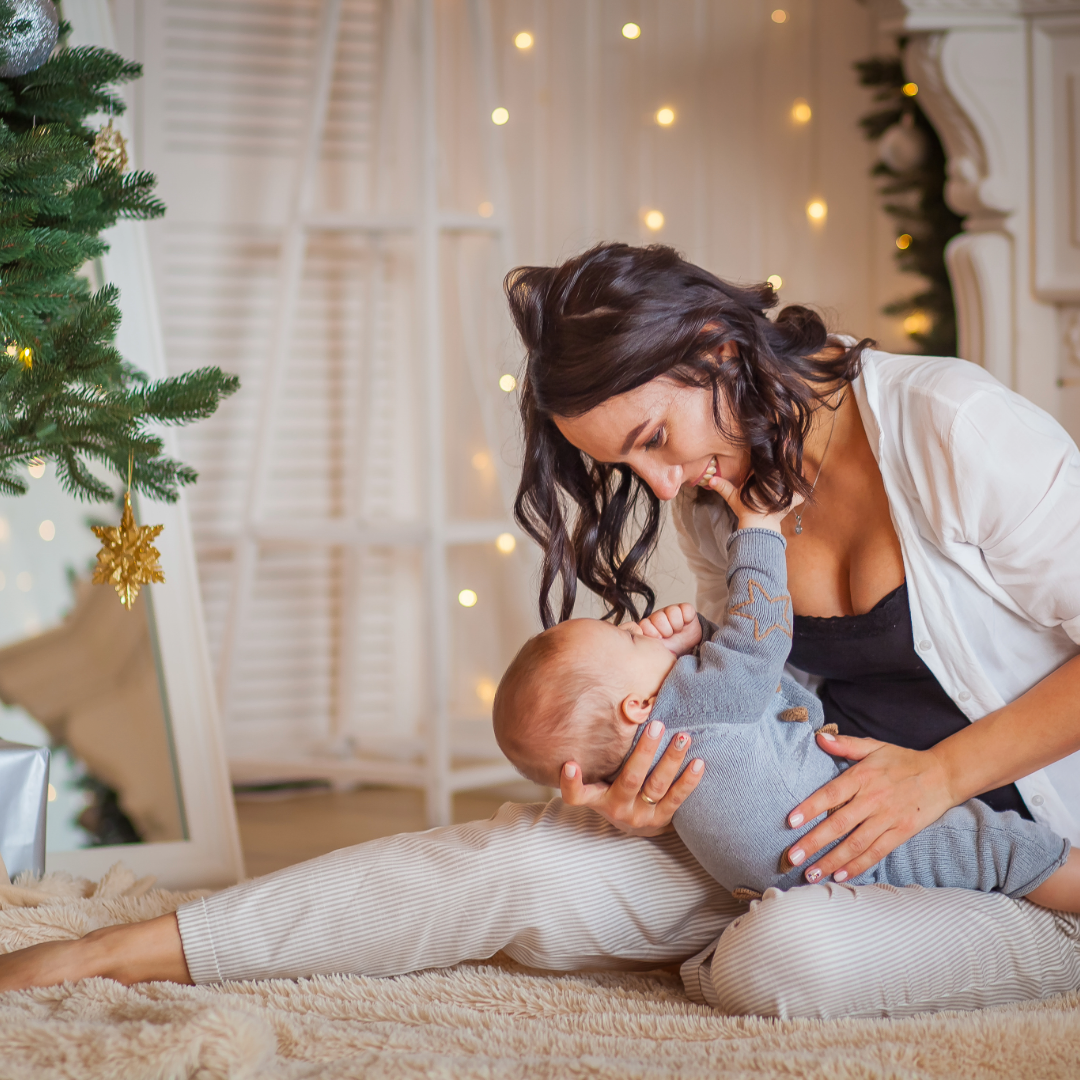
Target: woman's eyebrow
632, 437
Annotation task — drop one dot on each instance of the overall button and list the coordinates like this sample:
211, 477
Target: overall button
964, 696
926, 645
1037, 800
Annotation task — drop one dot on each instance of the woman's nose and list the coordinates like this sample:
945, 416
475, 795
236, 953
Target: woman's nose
664, 480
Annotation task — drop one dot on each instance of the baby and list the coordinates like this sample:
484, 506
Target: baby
584, 690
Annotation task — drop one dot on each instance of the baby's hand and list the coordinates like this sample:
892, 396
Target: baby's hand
748, 517
677, 626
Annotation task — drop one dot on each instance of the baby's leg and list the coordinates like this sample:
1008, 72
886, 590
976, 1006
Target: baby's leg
1060, 891
972, 846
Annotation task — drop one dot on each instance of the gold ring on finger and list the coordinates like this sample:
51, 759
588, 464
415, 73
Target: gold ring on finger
645, 798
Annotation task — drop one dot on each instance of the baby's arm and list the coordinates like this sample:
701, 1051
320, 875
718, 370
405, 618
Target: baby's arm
737, 670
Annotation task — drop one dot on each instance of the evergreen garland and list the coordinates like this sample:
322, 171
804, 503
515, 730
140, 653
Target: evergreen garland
920, 209
66, 393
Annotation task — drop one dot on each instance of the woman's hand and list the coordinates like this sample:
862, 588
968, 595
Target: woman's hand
884, 799
638, 801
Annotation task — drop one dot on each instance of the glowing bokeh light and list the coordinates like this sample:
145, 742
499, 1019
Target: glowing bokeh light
801, 111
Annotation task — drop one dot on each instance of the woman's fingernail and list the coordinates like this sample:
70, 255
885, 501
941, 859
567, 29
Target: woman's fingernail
827, 736
796, 820
655, 729
697, 765
840, 875
812, 875
571, 771
796, 856
681, 741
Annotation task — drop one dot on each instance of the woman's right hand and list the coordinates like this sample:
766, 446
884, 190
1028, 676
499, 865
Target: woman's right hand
637, 801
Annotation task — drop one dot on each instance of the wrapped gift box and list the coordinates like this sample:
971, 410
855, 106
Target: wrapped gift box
24, 795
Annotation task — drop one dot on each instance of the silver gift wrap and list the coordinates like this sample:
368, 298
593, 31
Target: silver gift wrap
24, 795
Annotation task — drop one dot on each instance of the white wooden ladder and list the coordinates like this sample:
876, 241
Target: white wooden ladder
435, 771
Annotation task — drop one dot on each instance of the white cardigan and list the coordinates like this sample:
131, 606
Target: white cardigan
984, 490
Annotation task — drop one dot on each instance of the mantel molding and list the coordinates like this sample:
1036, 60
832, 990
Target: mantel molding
1000, 81
961, 14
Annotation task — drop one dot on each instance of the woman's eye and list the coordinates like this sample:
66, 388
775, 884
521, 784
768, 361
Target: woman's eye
656, 440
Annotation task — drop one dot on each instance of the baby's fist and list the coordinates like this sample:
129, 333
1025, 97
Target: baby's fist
677, 626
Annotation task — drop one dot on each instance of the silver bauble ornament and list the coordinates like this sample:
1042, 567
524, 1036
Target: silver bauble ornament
903, 146
30, 47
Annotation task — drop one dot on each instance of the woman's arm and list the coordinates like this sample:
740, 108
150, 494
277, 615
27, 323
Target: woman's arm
893, 793
1007, 486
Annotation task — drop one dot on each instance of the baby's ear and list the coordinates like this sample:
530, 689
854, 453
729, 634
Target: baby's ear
636, 710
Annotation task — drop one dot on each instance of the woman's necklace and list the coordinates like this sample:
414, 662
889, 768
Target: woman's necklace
821, 465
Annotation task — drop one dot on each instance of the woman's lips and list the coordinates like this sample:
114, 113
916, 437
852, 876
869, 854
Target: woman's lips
710, 471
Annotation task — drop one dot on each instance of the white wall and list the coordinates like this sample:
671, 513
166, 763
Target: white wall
219, 118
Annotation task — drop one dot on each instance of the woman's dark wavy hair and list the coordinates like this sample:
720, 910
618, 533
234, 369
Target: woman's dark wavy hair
611, 319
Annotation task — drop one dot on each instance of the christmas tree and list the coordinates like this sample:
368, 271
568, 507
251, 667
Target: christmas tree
66, 394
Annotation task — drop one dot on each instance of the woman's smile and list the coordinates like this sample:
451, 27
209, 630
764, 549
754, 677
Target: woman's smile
710, 471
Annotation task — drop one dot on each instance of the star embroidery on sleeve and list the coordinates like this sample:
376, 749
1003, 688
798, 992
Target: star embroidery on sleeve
779, 611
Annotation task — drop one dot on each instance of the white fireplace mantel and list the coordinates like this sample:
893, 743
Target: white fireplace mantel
1000, 80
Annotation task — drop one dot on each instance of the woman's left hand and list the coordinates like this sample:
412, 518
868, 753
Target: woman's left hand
888, 796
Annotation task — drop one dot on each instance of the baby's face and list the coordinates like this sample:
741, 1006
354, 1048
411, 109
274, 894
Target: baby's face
623, 655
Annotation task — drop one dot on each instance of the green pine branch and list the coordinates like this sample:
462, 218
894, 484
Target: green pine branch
66, 393
915, 199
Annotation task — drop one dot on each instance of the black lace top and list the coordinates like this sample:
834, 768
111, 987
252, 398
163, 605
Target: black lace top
876, 685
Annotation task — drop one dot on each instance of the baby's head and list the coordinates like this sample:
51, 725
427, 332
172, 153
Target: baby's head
578, 692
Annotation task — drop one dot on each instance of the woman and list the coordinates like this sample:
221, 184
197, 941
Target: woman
935, 580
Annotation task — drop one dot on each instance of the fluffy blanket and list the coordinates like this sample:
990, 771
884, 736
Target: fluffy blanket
490, 1021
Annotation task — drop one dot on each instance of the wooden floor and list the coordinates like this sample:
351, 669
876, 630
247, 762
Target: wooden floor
278, 828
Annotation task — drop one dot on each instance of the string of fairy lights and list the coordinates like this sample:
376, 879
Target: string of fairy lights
664, 116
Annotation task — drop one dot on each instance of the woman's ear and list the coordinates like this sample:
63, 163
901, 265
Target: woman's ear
635, 710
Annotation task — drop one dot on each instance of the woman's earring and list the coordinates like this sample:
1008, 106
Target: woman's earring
798, 522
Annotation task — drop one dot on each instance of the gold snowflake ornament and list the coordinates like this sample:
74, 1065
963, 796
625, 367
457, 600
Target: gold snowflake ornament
110, 149
128, 559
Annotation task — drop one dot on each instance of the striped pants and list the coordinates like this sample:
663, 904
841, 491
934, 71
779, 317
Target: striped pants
558, 888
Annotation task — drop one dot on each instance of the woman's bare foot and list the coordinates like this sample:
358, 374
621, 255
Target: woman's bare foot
138, 952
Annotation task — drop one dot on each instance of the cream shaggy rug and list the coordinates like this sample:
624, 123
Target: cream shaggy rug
490, 1021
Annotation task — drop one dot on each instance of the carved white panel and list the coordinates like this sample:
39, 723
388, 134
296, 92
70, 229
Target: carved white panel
1056, 86
981, 268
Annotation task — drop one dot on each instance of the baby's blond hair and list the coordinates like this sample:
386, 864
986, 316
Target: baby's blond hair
552, 707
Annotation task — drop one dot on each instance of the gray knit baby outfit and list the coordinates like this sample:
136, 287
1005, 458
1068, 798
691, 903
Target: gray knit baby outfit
754, 726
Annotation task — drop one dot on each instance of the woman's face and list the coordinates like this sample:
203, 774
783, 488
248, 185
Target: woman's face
664, 431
